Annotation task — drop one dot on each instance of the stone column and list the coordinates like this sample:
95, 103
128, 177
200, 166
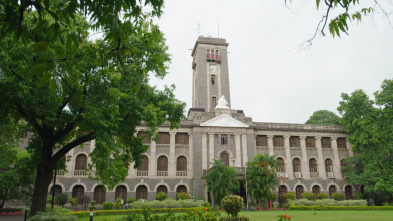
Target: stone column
211, 149
304, 164
153, 159
336, 161
238, 162
70, 165
321, 162
288, 165
204, 151
349, 146
270, 144
244, 146
190, 155
172, 155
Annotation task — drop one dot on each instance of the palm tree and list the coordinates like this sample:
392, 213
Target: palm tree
221, 181
261, 177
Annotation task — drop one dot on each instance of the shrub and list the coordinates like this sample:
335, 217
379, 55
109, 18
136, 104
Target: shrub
281, 199
161, 196
52, 216
240, 218
73, 201
92, 206
303, 202
290, 196
131, 200
308, 195
326, 202
172, 203
118, 204
188, 203
352, 203
203, 203
272, 197
62, 199
183, 196
155, 204
136, 205
108, 205
84, 200
232, 204
322, 196
358, 196
338, 196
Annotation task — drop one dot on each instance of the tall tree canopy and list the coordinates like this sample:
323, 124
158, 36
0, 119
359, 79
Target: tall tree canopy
370, 125
71, 91
323, 117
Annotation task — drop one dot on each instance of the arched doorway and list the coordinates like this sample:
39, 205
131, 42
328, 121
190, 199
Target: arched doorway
141, 192
224, 158
121, 192
99, 194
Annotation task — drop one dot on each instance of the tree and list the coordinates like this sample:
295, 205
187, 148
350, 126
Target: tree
370, 125
221, 181
323, 117
261, 177
70, 92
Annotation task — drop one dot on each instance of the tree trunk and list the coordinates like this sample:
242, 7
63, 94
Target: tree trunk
43, 179
4, 198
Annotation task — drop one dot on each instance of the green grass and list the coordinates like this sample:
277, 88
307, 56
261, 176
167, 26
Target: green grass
296, 216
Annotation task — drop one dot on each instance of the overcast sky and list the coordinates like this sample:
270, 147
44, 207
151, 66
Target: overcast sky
271, 79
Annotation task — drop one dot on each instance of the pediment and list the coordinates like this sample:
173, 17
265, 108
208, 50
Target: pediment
223, 121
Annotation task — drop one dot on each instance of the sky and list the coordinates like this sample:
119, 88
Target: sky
272, 77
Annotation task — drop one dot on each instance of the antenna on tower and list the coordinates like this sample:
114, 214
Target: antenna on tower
218, 28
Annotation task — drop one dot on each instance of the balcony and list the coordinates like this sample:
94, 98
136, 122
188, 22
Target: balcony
214, 57
142, 173
314, 174
80, 173
181, 173
59, 172
162, 173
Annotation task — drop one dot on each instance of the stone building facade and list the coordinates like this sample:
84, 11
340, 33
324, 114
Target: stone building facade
310, 156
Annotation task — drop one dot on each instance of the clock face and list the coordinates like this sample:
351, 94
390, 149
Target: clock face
213, 68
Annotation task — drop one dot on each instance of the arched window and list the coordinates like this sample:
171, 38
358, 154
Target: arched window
99, 194
58, 190
224, 158
162, 188
181, 189
348, 193
328, 165
212, 53
162, 163
299, 191
121, 192
78, 191
313, 165
144, 163
208, 53
296, 165
181, 163
81, 162
141, 192
280, 165
282, 190
315, 190
332, 189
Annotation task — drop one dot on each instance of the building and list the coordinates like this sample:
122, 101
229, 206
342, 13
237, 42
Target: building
309, 156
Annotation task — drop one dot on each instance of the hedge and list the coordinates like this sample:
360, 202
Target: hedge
7, 210
80, 214
341, 207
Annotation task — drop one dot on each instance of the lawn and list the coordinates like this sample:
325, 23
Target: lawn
296, 216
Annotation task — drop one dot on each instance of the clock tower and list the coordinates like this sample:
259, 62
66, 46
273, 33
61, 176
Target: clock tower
210, 73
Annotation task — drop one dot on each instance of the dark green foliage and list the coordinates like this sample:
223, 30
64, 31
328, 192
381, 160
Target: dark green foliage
221, 181
323, 117
358, 196
118, 203
308, 195
232, 204
108, 205
229, 218
272, 197
62, 199
131, 200
338, 196
53, 216
183, 196
322, 196
73, 201
92, 206
290, 195
161, 196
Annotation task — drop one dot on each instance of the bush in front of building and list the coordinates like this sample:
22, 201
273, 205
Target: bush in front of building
358, 196
183, 196
290, 195
232, 204
338, 196
118, 204
107, 205
62, 199
92, 206
169, 203
322, 196
131, 200
84, 200
161, 196
73, 201
327, 202
308, 195
272, 197
53, 216
352, 203
292, 207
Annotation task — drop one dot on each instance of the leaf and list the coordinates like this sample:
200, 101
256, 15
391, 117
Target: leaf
41, 46
44, 80
318, 2
38, 69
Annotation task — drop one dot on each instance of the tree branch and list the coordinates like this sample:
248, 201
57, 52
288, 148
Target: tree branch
32, 121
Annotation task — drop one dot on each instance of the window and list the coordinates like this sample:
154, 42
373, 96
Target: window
294, 142
181, 189
162, 163
81, 162
58, 190
78, 191
299, 191
181, 138
121, 192
163, 138
181, 163
280, 165
99, 194
332, 189
162, 188
208, 53
217, 57
310, 142
224, 158
341, 143
214, 102
348, 193
261, 140
144, 163
224, 139
278, 141
296, 165
313, 165
231, 139
143, 135
326, 142
315, 191
216, 139
213, 79
141, 192
328, 165
212, 54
